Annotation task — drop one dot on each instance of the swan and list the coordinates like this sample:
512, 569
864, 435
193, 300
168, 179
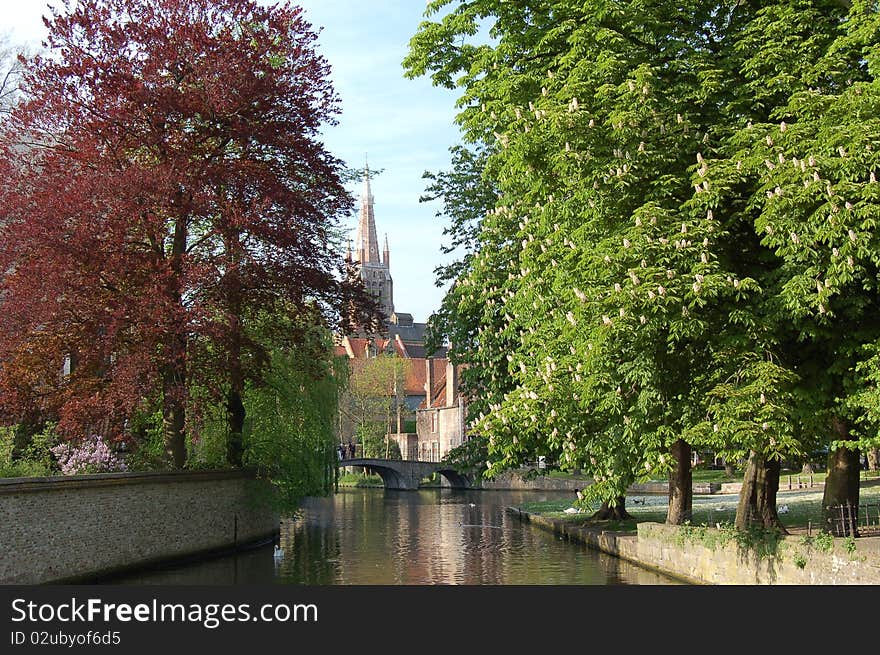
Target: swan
279, 552
571, 510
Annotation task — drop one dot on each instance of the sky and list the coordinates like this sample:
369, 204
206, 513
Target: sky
403, 127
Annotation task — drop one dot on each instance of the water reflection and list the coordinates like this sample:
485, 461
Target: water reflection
431, 536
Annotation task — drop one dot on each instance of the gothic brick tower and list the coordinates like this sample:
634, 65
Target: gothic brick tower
375, 272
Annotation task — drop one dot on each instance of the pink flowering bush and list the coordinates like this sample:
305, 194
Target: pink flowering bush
91, 455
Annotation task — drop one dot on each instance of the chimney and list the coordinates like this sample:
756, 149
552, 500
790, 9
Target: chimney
429, 382
451, 383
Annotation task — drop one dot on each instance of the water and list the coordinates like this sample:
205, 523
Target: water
430, 536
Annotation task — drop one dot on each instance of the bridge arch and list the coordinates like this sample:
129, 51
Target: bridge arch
406, 474
456, 480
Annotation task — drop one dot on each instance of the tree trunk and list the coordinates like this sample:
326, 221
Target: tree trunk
766, 497
873, 459
236, 415
616, 513
174, 408
841, 494
746, 513
807, 468
729, 469
235, 409
757, 498
174, 372
681, 491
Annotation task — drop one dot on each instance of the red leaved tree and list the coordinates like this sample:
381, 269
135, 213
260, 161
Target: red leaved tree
165, 184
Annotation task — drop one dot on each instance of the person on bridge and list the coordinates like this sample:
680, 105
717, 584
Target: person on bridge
351, 448
340, 451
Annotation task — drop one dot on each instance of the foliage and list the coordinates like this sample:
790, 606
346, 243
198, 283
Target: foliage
358, 480
681, 243
824, 541
372, 437
89, 455
470, 456
37, 459
163, 182
374, 391
146, 446
467, 193
757, 541
290, 430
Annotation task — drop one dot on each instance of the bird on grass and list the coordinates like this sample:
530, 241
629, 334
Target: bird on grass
783, 509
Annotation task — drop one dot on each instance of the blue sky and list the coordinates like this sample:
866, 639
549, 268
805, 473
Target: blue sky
405, 127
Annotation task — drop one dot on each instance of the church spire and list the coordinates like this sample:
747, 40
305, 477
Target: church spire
386, 255
367, 241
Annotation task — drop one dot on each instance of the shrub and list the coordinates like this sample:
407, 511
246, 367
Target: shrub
91, 455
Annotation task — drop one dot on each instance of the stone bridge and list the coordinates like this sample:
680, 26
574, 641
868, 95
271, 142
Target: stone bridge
406, 473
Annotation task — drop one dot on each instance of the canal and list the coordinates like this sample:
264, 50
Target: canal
431, 536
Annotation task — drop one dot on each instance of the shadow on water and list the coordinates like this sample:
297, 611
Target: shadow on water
430, 536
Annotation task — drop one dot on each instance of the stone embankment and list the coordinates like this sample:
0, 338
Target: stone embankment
78, 528
707, 556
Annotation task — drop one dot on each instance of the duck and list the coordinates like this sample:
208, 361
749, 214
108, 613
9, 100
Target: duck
783, 509
279, 552
638, 501
571, 510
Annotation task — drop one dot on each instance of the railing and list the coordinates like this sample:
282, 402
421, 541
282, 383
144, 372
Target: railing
801, 482
428, 456
851, 520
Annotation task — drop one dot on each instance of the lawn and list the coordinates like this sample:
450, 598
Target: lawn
799, 510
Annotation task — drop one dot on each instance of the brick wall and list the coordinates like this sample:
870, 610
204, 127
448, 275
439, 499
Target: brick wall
64, 529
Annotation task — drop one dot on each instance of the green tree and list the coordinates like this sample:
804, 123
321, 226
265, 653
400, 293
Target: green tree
290, 431
598, 290
373, 395
802, 165
680, 253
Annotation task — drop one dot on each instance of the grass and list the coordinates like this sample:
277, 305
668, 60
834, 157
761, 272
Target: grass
804, 509
359, 480
371, 480
702, 474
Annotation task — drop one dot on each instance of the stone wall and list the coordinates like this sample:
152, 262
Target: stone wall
792, 562
439, 430
517, 480
659, 547
69, 529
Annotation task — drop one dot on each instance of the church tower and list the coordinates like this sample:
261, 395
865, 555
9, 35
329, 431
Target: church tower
374, 272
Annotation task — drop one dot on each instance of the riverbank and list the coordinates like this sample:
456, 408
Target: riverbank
717, 554
69, 529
